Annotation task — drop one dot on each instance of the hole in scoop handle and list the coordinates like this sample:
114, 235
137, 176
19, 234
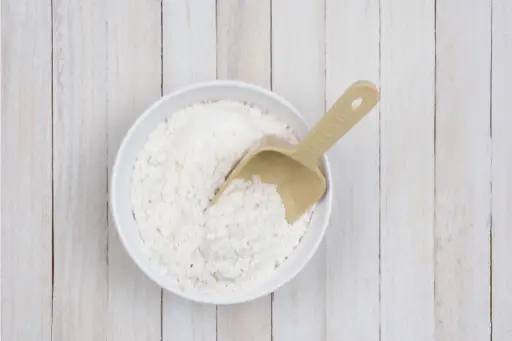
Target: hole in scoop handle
350, 108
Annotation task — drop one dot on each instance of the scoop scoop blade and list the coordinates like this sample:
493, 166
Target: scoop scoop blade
294, 169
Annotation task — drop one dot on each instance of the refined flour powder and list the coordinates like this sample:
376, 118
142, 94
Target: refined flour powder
224, 247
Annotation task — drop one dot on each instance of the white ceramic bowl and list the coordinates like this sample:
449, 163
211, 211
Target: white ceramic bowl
133, 141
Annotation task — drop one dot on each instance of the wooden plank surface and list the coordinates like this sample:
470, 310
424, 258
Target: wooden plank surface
26, 171
189, 55
352, 240
243, 41
243, 53
463, 165
501, 171
134, 82
80, 170
298, 74
423, 184
188, 42
407, 170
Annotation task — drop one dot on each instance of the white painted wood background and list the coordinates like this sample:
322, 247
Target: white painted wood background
419, 247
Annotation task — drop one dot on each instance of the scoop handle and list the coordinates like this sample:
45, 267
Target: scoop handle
349, 109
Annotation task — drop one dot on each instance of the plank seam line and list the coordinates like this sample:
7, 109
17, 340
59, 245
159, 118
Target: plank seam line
491, 177
380, 174
324, 331
52, 167
435, 165
161, 94
216, 77
271, 49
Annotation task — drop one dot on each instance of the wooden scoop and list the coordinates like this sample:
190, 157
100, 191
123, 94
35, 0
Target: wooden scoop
294, 169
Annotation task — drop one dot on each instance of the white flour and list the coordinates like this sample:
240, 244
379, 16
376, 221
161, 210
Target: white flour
211, 249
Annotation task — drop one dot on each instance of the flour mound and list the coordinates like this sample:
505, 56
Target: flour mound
206, 248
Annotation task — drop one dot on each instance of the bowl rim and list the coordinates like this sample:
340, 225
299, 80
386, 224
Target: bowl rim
215, 299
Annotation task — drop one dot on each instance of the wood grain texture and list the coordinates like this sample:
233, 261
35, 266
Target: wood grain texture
243, 53
352, 240
184, 320
189, 55
189, 42
501, 171
243, 41
463, 170
26, 171
80, 170
407, 170
443, 194
249, 321
134, 82
298, 74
